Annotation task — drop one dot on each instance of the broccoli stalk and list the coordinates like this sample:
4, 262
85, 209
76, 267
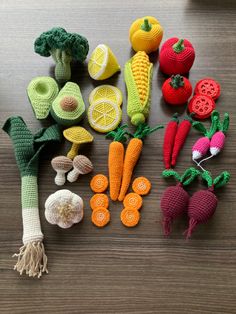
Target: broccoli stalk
63, 47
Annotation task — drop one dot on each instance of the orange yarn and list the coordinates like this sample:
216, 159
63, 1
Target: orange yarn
141, 186
99, 183
99, 200
133, 200
130, 217
100, 217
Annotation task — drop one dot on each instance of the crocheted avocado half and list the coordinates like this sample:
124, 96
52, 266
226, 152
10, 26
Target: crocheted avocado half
68, 108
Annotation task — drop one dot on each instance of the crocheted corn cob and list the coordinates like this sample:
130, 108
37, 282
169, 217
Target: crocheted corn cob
31, 258
138, 76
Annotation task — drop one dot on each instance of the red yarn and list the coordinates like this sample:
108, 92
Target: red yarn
209, 87
169, 139
176, 94
172, 62
174, 203
202, 106
201, 208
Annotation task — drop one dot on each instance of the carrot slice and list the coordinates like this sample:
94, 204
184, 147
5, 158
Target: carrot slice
141, 186
130, 217
99, 200
100, 217
133, 200
99, 183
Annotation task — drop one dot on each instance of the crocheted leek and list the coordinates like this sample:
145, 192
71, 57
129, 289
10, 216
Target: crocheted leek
31, 258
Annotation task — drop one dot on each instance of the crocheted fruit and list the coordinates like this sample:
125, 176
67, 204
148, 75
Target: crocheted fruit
116, 160
202, 106
138, 76
106, 92
176, 90
141, 186
104, 116
145, 34
68, 108
99, 183
31, 258
175, 199
202, 205
209, 87
176, 56
100, 217
41, 92
102, 63
130, 217
63, 47
76, 135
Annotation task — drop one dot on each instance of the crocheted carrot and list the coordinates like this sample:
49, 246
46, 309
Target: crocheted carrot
203, 203
175, 199
31, 258
169, 139
180, 138
132, 155
116, 160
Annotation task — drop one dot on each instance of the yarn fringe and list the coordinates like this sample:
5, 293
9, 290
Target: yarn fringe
166, 226
32, 259
192, 225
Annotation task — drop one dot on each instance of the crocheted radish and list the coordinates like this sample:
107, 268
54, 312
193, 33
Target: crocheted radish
176, 56
175, 199
176, 90
202, 145
202, 205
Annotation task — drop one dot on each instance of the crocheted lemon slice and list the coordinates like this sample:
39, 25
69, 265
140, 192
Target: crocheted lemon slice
104, 92
102, 63
104, 116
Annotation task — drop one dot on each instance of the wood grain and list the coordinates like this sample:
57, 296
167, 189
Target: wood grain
117, 270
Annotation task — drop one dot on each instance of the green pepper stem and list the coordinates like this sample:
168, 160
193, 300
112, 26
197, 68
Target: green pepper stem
179, 46
177, 81
146, 26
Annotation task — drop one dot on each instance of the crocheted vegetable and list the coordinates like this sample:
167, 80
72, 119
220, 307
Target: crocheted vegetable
132, 155
61, 165
208, 87
116, 160
145, 34
64, 208
100, 217
99, 200
169, 139
202, 106
63, 47
141, 186
180, 138
81, 165
130, 217
102, 63
99, 183
175, 199
176, 56
41, 92
138, 76
68, 108
31, 258
176, 90
77, 135
106, 92
203, 203
133, 200
202, 145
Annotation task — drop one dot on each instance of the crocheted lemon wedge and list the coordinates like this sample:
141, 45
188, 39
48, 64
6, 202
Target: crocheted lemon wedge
109, 92
102, 63
104, 116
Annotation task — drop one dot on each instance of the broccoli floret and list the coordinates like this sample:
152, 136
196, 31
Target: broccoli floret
63, 47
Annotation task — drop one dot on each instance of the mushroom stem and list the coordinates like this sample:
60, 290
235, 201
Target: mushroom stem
73, 151
60, 178
73, 175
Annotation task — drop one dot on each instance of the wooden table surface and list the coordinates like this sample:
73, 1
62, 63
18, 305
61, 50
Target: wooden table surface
116, 269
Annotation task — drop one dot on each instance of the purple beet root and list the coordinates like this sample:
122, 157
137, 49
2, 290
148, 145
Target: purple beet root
174, 203
201, 207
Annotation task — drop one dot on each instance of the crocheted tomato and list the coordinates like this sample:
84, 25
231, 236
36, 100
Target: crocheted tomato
209, 87
202, 106
176, 90
176, 56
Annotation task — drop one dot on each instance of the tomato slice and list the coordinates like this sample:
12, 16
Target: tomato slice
208, 87
202, 105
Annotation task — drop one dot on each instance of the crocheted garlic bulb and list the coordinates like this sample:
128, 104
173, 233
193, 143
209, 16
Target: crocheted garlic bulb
61, 165
82, 165
64, 208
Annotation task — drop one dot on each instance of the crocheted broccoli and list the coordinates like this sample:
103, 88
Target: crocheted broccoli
63, 47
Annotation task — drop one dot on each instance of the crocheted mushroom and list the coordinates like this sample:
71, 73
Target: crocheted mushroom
82, 165
61, 165
64, 208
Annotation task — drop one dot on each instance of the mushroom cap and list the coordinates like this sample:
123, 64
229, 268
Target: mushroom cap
61, 163
77, 135
83, 164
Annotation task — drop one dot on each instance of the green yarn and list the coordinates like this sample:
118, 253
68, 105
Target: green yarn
41, 92
188, 176
144, 130
63, 47
221, 180
118, 135
68, 117
146, 26
29, 192
179, 46
213, 128
177, 81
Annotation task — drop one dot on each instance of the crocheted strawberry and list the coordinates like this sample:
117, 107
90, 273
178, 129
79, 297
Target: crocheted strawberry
176, 56
176, 90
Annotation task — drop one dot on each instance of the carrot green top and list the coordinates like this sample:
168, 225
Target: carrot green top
189, 175
118, 135
221, 180
144, 130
